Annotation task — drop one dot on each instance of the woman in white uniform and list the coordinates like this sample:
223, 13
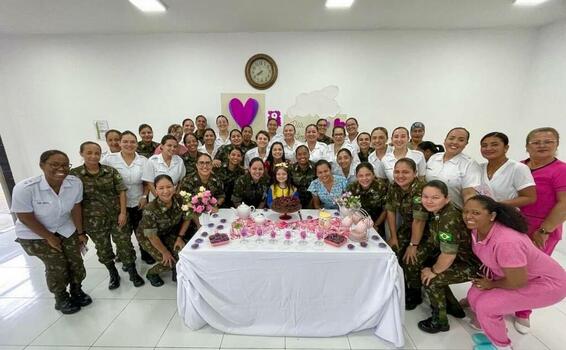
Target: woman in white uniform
345, 165
261, 151
49, 226
317, 149
378, 141
505, 180
290, 143
457, 170
209, 146
400, 139
223, 137
338, 136
165, 163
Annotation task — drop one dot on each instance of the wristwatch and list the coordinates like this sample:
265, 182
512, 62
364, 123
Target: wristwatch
413, 244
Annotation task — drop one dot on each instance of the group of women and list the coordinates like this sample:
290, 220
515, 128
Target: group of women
447, 217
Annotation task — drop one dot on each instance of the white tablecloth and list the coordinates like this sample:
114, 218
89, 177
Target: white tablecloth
278, 290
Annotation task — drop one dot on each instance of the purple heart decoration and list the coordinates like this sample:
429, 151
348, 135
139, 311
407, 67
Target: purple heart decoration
243, 114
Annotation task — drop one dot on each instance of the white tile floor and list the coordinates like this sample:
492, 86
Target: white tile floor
146, 318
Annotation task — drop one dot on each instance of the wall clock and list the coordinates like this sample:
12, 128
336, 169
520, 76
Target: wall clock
261, 71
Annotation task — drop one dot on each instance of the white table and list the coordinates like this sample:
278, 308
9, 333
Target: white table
279, 290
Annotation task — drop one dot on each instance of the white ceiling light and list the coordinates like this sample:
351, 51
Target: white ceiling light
149, 5
528, 2
339, 4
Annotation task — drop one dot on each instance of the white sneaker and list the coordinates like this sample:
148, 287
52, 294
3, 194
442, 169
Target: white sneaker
522, 325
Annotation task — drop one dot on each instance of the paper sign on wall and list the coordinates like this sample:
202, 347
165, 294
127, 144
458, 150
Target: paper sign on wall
101, 128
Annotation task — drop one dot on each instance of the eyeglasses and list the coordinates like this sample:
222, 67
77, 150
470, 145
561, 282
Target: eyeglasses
204, 163
542, 142
55, 166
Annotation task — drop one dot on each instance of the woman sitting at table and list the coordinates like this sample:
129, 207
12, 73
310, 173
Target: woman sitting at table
251, 187
345, 165
404, 202
282, 186
326, 188
302, 174
372, 192
446, 257
162, 228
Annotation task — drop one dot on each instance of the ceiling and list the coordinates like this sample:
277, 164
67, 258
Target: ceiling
119, 16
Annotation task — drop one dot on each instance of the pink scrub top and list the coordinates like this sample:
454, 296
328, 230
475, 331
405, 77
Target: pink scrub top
506, 248
549, 179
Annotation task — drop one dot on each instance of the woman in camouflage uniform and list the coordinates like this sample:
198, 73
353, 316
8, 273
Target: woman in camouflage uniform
221, 156
205, 178
162, 229
302, 174
404, 202
251, 187
49, 226
190, 158
247, 142
104, 211
446, 257
372, 192
146, 146
228, 173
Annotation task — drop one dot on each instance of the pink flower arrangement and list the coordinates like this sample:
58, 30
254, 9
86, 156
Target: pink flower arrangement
203, 202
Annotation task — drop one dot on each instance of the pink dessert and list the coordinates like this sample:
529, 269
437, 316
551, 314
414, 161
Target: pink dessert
219, 239
335, 239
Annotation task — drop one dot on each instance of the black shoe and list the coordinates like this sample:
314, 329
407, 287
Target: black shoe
146, 257
114, 277
432, 326
455, 310
134, 276
64, 304
124, 268
78, 297
174, 275
155, 280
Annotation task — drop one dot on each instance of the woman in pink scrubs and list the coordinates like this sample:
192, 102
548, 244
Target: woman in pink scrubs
518, 276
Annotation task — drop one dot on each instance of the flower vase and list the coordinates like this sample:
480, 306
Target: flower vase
344, 211
204, 219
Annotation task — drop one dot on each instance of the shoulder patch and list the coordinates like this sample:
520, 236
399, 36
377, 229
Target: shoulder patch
445, 237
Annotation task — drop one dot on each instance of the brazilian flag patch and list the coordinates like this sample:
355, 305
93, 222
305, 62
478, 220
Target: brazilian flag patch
417, 200
445, 237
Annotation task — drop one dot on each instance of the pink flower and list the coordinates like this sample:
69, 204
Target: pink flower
213, 201
207, 193
194, 200
205, 200
199, 209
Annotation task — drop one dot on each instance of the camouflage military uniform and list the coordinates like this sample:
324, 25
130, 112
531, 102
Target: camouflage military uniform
449, 235
364, 157
164, 222
192, 183
200, 136
190, 162
248, 147
61, 268
228, 177
249, 192
224, 152
373, 198
145, 149
101, 207
325, 139
302, 178
407, 204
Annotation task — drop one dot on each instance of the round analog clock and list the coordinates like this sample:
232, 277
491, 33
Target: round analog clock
261, 71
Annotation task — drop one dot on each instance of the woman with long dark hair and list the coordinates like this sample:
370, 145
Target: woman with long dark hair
516, 275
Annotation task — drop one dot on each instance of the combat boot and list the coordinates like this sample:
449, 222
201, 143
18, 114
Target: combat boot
78, 296
432, 324
114, 276
64, 304
136, 279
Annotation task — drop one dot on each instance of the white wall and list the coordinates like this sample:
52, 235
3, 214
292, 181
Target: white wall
53, 87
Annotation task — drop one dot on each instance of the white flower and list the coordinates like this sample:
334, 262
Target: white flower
183, 193
184, 207
202, 189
